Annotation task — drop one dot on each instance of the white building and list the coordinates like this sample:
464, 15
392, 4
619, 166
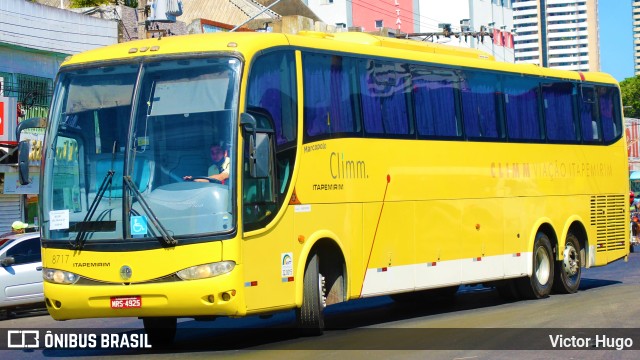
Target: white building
491, 15
560, 34
429, 14
34, 41
333, 12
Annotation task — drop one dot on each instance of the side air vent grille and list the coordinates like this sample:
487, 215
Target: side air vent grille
608, 219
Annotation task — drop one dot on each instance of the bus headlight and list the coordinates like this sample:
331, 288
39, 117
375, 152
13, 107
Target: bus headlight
59, 276
206, 270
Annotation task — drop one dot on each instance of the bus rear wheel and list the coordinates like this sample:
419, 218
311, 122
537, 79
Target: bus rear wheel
540, 283
310, 317
161, 331
568, 270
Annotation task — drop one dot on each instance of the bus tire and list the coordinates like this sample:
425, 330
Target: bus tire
540, 283
161, 331
568, 270
310, 317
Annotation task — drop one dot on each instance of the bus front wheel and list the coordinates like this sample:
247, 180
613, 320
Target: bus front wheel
539, 284
568, 270
310, 317
160, 330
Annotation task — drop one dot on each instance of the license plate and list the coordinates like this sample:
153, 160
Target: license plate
126, 302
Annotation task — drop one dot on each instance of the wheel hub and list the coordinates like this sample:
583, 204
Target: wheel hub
570, 263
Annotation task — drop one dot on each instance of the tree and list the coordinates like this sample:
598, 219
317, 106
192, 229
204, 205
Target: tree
630, 88
88, 3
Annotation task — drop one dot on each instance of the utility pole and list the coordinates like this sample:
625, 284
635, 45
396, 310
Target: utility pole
142, 24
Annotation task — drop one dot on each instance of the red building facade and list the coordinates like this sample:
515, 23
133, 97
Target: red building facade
374, 14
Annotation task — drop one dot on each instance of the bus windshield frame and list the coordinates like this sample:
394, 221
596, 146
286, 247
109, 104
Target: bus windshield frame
132, 147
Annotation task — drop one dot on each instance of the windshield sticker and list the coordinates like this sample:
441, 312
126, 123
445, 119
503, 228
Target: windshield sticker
59, 219
138, 226
286, 259
143, 141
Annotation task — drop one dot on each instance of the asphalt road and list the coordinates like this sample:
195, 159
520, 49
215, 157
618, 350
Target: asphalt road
478, 325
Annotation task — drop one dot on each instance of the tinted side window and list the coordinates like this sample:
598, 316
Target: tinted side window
558, 100
26, 252
610, 117
479, 105
521, 109
434, 97
588, 111
385, 90
330, 98
272, 86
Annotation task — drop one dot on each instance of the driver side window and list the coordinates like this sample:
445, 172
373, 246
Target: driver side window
271, 99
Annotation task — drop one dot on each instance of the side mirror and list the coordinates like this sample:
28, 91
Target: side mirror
259, 147
23, 161
259, 166
24, 147
8, 261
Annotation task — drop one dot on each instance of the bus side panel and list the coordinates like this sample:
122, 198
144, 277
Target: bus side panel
438, 242
265, 257
392, 247
482, 237
516, 235
340, 223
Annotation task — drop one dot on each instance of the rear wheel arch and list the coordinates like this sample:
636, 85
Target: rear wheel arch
332, 266
539, 282
323, 282
549, 230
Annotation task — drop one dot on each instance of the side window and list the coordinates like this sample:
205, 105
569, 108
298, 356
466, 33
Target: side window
589, 119
479, 106
558, 106
610, 115
385, 89
434, 96
272, 87
521, 109
330, 104
28, 251
272, 100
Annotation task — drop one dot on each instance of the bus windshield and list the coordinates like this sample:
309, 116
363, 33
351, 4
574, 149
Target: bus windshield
134, 151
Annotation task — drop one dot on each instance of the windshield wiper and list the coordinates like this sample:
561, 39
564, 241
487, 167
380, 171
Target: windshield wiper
82, 234
167, 239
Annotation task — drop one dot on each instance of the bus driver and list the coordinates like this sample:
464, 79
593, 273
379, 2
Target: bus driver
219, 170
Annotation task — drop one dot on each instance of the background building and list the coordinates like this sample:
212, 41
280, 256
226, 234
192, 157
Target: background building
557, 33
34, 41
428, 17
492, 17
368, 15
636, 36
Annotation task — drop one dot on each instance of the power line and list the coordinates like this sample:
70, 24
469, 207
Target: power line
55, 20
44, 38
52, 30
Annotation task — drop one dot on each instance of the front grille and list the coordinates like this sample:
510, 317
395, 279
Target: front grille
168, 278
609, 220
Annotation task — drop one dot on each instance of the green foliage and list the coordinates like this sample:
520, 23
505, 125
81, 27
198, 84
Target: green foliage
630, 88
88, 3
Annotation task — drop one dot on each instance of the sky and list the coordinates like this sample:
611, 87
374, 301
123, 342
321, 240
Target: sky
616, 38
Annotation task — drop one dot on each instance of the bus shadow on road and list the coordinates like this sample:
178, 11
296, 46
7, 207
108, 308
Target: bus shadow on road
587, 284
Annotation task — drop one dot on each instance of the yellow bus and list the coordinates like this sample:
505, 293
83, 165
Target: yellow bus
356, 166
